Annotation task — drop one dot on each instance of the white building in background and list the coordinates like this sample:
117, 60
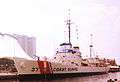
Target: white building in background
28, 44
18, 45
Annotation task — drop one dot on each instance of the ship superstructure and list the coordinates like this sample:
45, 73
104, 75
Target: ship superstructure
68, 60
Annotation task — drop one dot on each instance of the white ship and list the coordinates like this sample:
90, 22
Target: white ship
67, 61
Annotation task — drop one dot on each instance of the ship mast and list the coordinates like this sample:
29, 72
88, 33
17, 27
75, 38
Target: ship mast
91, 45
69, 27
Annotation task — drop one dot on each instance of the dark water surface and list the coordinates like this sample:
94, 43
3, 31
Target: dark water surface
94, 78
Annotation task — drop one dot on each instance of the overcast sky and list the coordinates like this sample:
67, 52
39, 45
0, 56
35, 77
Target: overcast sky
45, 19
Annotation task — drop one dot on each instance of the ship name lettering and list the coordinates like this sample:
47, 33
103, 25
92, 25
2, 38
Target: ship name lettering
72, 69
59, 69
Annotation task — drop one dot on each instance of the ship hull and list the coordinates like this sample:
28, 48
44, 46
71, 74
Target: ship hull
76, 74
8, 76
114, 69
49, 76
28, 69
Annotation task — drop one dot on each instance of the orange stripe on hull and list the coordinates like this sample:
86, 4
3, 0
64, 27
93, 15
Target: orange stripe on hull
45, 67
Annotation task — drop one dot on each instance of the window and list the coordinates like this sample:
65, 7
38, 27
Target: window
72, 62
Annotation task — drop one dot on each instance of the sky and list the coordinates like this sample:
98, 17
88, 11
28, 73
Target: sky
45, 20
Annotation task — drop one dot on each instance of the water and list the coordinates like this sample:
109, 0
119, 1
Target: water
95, 78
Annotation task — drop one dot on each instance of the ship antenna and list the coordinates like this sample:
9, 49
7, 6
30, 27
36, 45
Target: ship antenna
69, 27
91, 45
77, 34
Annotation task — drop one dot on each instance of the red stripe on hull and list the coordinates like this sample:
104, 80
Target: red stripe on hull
45, 67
